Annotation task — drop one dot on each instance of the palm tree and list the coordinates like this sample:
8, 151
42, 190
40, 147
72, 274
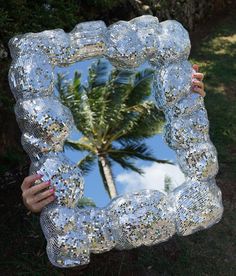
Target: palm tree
114, 116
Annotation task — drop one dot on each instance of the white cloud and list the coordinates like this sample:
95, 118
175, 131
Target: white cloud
153, 178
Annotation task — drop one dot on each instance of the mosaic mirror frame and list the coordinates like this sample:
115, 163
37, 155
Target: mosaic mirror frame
145, 217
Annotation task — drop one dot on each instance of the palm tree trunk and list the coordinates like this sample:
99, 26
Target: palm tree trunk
108, 175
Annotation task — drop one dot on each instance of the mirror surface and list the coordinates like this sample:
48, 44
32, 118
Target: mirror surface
159, 176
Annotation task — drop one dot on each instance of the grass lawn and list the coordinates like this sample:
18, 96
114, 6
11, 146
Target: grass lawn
209, 252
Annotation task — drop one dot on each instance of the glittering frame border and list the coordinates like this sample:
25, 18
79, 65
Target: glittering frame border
145, 217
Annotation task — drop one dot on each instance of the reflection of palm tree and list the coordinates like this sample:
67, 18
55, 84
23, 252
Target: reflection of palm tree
114, 117
168, 186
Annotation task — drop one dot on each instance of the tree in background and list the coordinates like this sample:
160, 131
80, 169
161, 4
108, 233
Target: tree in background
114, 115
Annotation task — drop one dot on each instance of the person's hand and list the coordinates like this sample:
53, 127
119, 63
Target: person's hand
198, 85
36, 197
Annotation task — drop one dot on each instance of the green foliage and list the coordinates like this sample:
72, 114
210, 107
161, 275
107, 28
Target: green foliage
85, 201
105, 3
21, 16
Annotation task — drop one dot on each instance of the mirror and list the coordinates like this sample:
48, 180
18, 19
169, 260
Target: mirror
72, 225
162, 174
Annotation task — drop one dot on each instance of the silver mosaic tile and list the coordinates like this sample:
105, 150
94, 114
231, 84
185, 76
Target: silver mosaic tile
198, 206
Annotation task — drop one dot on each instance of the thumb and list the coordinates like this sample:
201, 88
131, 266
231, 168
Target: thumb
29, 180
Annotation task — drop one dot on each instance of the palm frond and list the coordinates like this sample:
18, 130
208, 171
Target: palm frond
148, 124
136, 151
99, 73
117, 92
79, 145
125, 164
141, 121
69, 92
141, 88
73, 95
77, 81
86, 164
125, 77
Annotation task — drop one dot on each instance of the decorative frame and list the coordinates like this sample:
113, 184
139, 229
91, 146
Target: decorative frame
146, 217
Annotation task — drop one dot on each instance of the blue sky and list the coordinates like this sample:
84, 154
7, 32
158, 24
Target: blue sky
125, 180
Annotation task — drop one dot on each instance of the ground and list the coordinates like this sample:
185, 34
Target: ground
209, 252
